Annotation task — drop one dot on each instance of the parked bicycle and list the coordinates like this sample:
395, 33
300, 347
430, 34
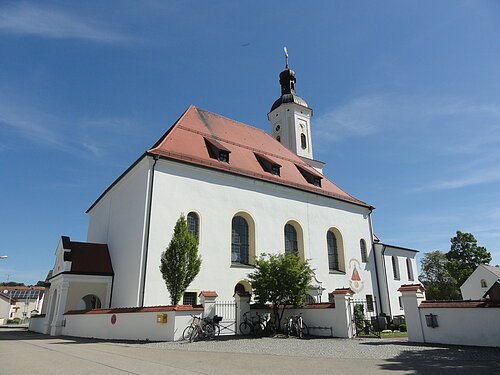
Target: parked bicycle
253, 325
269, 326
200, 329
295, 326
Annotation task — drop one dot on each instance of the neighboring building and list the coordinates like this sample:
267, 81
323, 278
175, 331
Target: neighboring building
396, 266
244, 193
479, 282
5, 302
25, 300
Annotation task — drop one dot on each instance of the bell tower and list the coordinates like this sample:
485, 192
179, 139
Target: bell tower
290, 116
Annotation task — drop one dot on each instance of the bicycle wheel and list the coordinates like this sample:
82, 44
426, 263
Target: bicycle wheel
209, 332
270, 329
258, 329
194, 334
245, 328
187, 333
217, 330
305, 330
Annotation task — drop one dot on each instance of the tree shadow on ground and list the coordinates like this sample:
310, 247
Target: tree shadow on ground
443, 360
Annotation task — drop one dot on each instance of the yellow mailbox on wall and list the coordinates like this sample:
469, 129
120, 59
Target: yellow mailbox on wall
161, 318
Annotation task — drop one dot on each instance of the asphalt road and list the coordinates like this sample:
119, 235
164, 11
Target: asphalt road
23, 353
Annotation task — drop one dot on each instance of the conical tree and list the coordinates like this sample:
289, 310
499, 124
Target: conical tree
180, 262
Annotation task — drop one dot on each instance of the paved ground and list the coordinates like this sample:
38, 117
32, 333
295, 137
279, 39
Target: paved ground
23, 352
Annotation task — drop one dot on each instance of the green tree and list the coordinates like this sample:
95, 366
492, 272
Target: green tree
180, 262
282, 280
464, 256
436, 278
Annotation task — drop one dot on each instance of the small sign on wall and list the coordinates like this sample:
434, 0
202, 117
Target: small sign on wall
161, 318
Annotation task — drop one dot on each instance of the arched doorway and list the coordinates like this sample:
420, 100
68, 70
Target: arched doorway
89, 302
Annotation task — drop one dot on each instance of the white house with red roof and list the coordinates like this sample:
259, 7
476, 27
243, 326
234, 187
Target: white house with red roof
479, 282
245, 192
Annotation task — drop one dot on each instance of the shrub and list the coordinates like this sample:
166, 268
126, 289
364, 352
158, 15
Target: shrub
392, 327
402, 328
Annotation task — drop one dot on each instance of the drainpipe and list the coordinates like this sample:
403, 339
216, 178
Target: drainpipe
148, 226
386, 280
375, 261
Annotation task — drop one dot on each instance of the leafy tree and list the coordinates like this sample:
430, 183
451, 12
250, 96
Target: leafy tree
180, 262
464, 256
281, 280
438, 282
11, 283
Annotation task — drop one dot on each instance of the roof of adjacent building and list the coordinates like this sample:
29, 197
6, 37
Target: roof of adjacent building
87, 258
492, 269
22, 292
187, 139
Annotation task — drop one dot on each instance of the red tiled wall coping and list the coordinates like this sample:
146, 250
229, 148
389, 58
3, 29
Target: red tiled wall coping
458, 304
323, 305
121, 310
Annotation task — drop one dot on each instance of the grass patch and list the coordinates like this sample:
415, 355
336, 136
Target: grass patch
389, 335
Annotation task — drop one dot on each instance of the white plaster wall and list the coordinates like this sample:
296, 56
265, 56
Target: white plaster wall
388, 284
471, 288
463, 326
4, 308
217, 197
119, 221
22, 306
128, 326
37, 324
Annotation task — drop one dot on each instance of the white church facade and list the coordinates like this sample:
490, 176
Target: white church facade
245, 193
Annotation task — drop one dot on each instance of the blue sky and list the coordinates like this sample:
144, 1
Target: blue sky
406, 99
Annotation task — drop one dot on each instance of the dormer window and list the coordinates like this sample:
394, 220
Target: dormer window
311, 176
217, 150
268, 164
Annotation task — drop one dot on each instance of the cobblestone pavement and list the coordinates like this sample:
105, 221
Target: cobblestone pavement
332, 348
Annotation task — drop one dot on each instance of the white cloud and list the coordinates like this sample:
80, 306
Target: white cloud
27, 19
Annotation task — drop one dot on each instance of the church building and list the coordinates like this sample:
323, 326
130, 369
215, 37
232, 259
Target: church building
244, 192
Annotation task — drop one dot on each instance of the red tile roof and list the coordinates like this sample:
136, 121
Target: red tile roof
208, 293
185, 141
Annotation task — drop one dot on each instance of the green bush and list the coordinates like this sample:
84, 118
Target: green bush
14, 321
392, 327
402, 328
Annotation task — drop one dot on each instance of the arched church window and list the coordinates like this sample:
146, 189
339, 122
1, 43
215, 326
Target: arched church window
193, 223
333, 252
409, 269
303, 141
278, 138
291, 243
239, 241
483, 283
364, 253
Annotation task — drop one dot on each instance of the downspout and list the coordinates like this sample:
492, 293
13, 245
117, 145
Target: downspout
148, 226
375, 261
386, 280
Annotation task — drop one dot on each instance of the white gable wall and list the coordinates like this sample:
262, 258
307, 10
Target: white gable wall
472, 289
217, 197
118, 220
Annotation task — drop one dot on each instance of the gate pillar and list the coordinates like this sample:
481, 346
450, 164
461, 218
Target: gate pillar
343, 326
242, 300
207, 299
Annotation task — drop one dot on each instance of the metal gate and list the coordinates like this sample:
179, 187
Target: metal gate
227, 310
365, 321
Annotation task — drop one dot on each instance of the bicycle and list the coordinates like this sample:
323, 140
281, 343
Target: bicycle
295, 326
202, 330
186, 334
250, 326
270, 327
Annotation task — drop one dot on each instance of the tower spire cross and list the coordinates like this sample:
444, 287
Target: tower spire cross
286, 57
